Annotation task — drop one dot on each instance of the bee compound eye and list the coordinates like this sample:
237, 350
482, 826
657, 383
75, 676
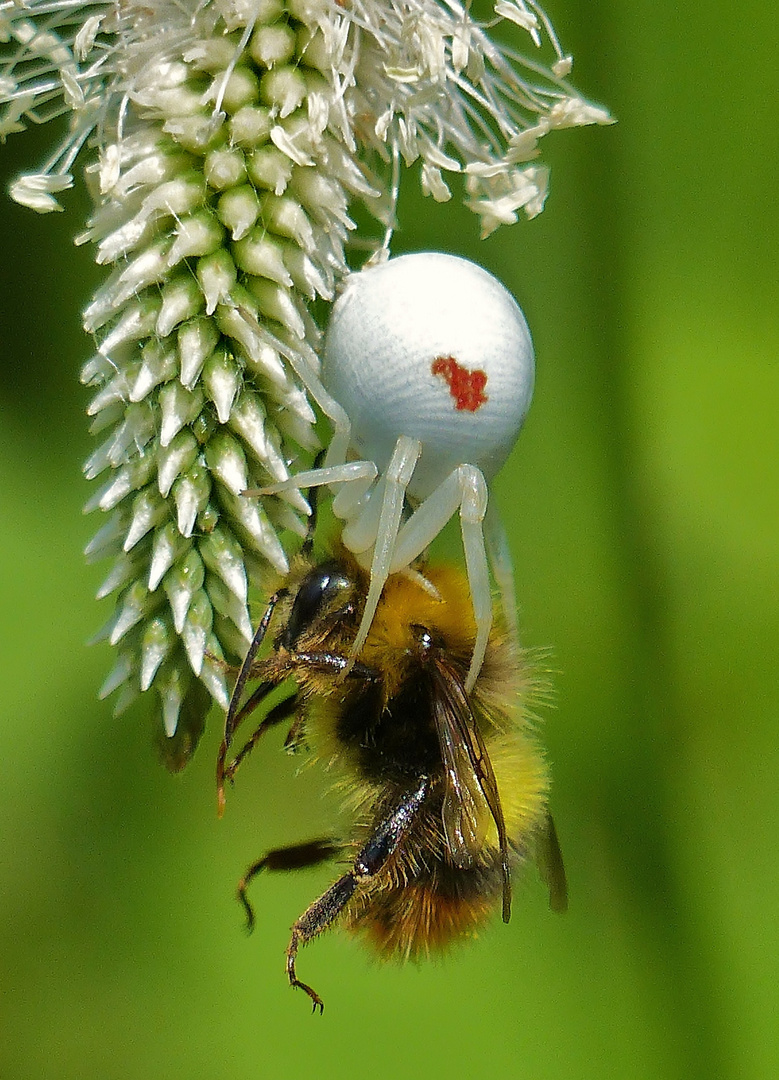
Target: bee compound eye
318, 592
433, 347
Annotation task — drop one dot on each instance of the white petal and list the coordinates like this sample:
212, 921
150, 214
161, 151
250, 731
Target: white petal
36, 191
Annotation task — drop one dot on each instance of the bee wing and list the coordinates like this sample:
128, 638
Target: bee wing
549, 859
471, 795
466, 814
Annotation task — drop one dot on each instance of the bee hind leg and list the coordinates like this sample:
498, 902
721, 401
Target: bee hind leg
312, 922
382, 844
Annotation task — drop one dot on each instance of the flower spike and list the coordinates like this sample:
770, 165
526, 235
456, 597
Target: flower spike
226, 142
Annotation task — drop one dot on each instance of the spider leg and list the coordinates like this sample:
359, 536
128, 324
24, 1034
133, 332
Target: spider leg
361, 473
502, 565
356, 479
396, 480
361, 518
349, 502
331, 474
305, 368
472, 510
465, 489
427, 521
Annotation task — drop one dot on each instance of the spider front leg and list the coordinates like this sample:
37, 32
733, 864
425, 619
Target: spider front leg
386, 504
465, 489
372, 517
356, 476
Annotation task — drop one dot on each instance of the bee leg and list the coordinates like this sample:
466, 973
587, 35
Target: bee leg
372, 858
336, 664
224, 771
235, 712
285, 709
294, 857
312, 922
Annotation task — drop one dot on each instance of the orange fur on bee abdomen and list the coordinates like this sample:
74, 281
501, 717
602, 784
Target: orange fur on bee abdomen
441, 905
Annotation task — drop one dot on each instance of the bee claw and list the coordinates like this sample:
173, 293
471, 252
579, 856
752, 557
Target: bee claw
316, 1000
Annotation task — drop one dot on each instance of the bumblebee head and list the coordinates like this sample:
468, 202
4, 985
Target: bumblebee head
328, 594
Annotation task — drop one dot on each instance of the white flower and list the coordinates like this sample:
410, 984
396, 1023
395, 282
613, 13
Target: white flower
225, 141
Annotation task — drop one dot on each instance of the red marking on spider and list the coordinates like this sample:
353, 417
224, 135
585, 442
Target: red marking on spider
466, 387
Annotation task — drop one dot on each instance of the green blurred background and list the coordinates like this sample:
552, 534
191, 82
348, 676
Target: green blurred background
642, 504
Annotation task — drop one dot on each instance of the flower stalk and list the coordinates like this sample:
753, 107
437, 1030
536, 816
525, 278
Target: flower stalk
226, 142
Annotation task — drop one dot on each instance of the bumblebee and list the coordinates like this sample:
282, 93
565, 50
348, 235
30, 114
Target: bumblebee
449, 788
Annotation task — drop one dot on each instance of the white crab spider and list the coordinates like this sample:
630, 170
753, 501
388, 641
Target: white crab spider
427, 376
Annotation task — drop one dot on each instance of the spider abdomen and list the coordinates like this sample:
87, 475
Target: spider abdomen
433, 347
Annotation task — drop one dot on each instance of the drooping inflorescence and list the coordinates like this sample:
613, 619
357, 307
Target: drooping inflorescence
224, 143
